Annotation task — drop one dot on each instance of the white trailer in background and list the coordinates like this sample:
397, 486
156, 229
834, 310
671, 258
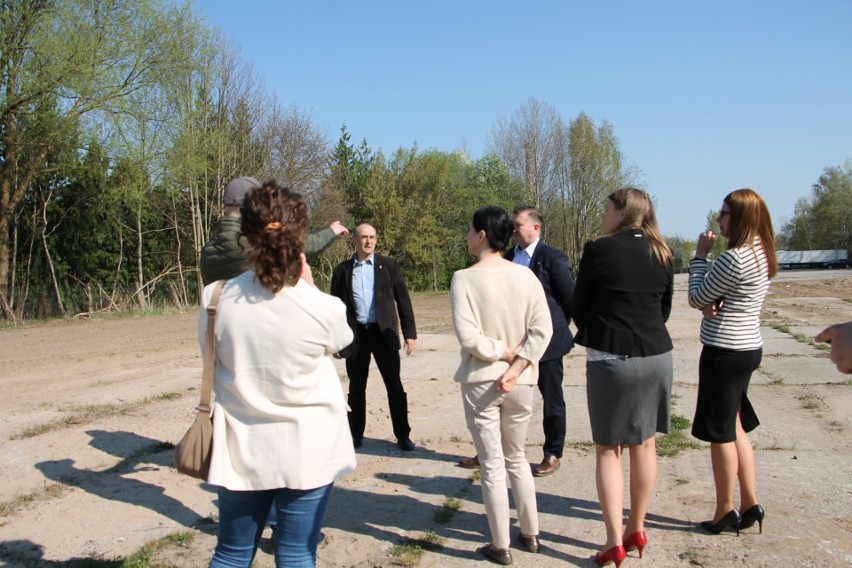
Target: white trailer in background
788, 259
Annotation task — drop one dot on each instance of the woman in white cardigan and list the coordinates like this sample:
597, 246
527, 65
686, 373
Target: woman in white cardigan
502, 322
280, 433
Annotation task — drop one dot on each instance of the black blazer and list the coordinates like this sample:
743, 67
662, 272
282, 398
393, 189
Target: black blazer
623, 297
390, 297
553, 269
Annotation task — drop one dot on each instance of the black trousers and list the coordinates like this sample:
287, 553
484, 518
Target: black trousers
372, 344
554, 419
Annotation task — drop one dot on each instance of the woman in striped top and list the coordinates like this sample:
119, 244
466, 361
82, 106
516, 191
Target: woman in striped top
730, 294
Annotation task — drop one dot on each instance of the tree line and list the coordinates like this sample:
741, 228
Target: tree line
121, 122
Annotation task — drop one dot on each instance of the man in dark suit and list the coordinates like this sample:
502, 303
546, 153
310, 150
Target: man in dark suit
553, 269
377, 304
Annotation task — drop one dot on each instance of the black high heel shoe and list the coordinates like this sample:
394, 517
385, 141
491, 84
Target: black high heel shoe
752, 515
731, 519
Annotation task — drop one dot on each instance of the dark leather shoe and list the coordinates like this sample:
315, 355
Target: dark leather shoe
530, 543
548, 466
498, 555
405, 444
357, 443
469, 463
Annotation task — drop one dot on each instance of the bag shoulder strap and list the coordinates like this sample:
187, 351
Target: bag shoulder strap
210, 349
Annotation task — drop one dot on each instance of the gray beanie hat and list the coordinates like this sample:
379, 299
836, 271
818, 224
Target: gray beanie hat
237, 189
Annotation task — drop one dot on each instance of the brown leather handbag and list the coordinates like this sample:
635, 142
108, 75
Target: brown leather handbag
192, 453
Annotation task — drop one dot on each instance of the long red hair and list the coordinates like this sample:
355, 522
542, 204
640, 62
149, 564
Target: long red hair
749, 219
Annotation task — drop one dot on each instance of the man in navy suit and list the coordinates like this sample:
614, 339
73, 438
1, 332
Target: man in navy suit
377, 305
553, 269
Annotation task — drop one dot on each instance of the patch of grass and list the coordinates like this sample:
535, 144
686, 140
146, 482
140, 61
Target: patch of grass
800, 337
691, 556
80, 415
137, 312
144, 557
168, 396
680, 423
808, 402
475, 477
774, 379
780, 327
776, 446
456, 439
448, 510
411, 550
182, 539
676, 441
681, 481
50, 491
581, 445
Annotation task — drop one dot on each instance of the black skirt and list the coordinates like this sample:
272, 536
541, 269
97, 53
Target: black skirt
723, 378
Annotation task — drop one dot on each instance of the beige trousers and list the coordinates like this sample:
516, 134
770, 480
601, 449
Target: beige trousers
498, 423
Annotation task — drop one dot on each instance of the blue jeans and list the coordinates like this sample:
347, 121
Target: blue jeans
242, 516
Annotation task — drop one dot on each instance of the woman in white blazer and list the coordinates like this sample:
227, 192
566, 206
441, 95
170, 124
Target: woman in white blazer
280, 433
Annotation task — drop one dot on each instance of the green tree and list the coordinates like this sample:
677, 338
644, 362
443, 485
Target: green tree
85, 58
721, 243
798, 233
824, 219
682, 250
591, 170
832, 207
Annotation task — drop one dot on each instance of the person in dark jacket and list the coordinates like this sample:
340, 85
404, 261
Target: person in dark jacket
621, 303
377, 305
224, 255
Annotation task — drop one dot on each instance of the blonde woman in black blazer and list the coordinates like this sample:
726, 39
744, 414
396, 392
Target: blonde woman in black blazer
621, 302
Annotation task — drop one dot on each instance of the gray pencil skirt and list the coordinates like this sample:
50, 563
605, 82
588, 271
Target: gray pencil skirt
629, 398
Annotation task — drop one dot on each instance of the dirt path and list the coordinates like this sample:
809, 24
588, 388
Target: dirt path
88, 409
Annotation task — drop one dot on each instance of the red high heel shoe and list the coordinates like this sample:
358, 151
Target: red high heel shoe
636, 541
615, 555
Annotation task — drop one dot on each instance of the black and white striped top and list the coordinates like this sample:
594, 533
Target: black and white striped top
738, 278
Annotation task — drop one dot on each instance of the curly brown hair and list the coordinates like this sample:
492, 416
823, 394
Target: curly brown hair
274, 220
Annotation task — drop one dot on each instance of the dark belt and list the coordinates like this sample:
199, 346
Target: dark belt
366, 326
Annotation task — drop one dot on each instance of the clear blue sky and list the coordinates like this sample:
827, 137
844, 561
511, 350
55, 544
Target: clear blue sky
705, 97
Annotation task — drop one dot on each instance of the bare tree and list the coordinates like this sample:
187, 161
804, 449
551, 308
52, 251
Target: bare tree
529, 144
218, 110
297, 150
567, 170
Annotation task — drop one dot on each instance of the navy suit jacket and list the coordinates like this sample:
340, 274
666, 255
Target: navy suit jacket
390, 298
553, 269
